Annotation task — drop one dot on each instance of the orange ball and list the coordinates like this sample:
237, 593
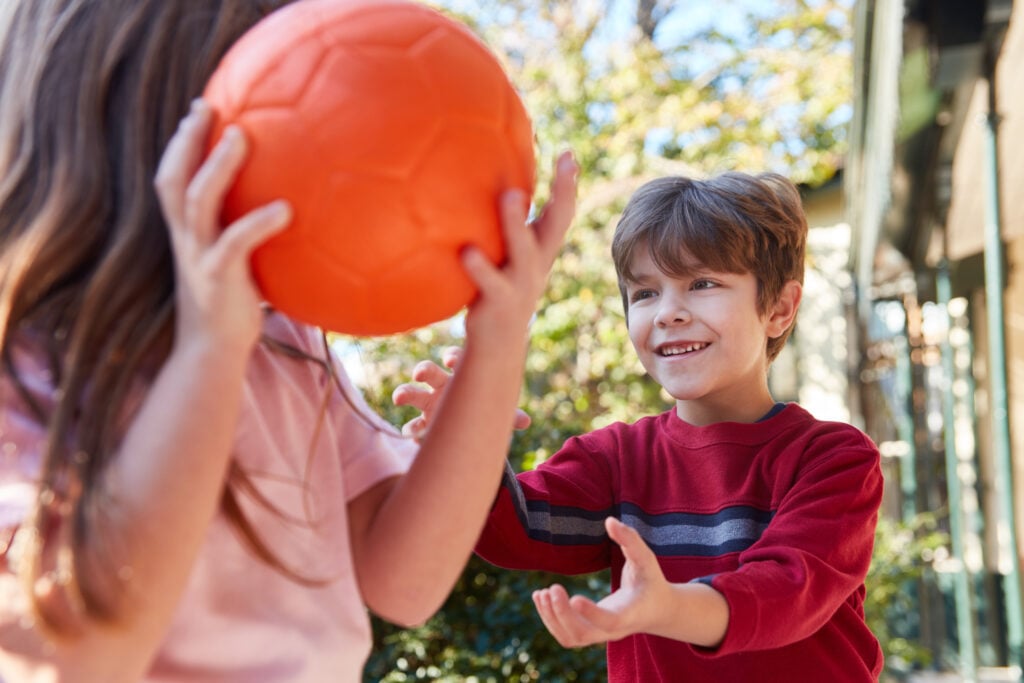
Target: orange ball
392, 130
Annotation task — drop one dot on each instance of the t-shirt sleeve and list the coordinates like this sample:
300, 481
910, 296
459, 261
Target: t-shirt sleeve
370, 448
373, 449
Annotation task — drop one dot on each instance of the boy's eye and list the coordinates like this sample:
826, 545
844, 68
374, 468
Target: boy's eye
702, 284
640, 294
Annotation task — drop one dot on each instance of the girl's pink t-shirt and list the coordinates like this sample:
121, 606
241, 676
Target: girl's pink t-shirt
240, 619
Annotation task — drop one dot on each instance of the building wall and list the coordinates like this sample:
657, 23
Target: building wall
1014, 316
968, 213
968, 208
813, 368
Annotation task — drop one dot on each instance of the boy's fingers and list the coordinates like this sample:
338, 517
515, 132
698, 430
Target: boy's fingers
542, 599
633, 546
415, 427
576, 629
451, 356
430, 373
589, 611
412, 395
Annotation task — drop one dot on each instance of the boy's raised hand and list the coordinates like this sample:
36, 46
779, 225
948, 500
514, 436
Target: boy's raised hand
426, 398
636, 607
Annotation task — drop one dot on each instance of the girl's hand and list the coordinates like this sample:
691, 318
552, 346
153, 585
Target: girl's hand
426, 399
217, 299
508, 294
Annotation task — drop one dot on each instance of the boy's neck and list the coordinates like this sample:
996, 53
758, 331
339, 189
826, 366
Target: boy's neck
701, 414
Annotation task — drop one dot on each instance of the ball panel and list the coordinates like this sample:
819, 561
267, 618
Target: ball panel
399, 299
362, 222
285, 81
250, 70
382, 23
456, 213
371, 89
277, 165
453, 58
299, 281
426, 286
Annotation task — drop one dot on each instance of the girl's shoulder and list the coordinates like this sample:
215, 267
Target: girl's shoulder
285, 330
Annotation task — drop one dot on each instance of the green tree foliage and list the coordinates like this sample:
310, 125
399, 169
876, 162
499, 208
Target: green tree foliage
904, 553
751, 86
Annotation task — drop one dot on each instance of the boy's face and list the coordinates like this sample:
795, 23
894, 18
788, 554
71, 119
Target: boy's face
701, 337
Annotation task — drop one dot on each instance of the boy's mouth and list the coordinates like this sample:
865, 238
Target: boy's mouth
681, 349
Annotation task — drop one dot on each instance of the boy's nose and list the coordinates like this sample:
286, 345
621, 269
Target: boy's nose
672, 311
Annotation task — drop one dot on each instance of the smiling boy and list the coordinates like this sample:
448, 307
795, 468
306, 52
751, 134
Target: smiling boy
738, 530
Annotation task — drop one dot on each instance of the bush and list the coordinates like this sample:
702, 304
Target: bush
903, 555
487, 631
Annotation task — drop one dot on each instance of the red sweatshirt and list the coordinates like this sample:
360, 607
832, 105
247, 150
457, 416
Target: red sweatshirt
778, 516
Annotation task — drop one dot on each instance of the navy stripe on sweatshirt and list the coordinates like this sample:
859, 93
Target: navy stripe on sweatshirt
729, 530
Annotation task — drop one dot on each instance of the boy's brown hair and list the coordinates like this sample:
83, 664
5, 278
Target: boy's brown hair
733, 222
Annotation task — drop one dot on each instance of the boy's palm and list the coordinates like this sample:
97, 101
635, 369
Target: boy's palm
635, 607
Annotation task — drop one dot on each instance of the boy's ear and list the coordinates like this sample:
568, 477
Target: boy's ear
783, 313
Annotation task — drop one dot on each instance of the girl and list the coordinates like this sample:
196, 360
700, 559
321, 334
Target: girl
190, 488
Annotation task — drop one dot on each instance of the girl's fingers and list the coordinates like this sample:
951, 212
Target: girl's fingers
179, 162
204, 196
239, 239
557, 215
518, 241
484, 274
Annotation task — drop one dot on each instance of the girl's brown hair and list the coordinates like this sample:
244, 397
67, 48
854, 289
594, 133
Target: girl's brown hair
734, 223
90, 93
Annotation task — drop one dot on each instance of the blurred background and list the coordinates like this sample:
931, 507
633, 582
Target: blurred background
902, 122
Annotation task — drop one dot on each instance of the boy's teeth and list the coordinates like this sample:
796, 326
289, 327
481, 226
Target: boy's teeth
677, 350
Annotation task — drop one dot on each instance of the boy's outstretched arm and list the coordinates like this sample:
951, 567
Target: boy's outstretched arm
644, 603
412, 535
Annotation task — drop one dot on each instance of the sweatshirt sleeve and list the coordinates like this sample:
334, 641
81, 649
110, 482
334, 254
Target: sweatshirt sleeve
552, 518
815, 552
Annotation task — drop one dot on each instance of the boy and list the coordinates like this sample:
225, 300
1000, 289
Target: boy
738, 530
